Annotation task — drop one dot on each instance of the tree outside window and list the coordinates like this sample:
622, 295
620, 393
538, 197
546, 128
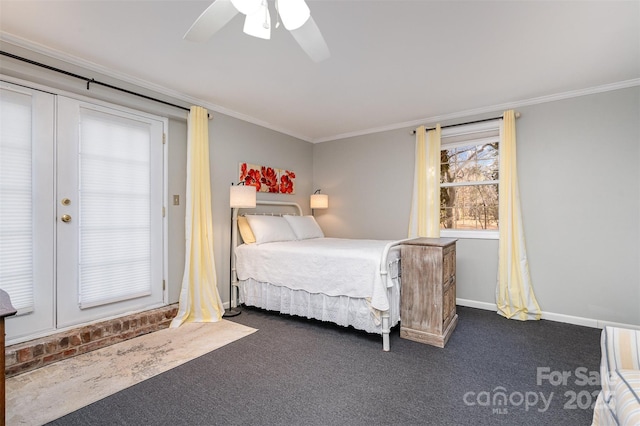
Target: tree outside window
469, 187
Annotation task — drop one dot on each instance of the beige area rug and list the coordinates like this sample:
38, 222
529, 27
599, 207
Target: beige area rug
50, 392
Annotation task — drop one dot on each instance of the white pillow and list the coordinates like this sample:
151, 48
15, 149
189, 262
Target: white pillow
268, 229
305, 227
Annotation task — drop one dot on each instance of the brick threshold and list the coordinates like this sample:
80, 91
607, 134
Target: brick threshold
27, 356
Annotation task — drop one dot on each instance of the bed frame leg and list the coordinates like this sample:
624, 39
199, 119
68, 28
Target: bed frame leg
385, 332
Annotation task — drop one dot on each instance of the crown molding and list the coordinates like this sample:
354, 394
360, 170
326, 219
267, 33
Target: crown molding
488, 109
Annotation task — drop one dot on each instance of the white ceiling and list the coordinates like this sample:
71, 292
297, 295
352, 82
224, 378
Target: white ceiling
392, 62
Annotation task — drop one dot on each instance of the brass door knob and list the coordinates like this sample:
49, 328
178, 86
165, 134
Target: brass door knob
66, 218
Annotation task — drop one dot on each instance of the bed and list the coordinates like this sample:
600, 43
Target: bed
284, 263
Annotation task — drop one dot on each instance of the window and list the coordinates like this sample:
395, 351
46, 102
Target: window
469, 166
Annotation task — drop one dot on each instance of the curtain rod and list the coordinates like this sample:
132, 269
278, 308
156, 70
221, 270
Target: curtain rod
468, 122
90, 80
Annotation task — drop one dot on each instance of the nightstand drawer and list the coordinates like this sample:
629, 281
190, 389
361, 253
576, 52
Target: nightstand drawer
449, 302
448, 263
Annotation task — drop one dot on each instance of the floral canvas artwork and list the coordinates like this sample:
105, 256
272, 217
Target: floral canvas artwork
287, 179
268, 179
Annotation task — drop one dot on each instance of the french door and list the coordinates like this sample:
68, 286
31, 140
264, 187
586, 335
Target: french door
96, 228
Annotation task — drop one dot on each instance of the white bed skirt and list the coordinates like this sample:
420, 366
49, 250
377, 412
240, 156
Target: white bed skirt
342, 310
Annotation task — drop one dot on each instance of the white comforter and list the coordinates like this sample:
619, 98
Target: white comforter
333, 266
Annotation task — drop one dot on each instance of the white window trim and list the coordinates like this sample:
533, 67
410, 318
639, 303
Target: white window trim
469, 183
471, 235
479, 234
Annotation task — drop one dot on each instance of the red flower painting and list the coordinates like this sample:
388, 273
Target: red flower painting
250, 175
268, 179
287, 178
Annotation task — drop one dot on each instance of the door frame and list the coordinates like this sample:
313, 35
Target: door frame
14, 338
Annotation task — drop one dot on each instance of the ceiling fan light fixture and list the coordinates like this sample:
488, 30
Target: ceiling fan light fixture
295, 16
247, 7
294, 13
259, 23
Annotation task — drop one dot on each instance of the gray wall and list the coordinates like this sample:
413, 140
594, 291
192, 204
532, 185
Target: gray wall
177, 181
368, 180
578, 161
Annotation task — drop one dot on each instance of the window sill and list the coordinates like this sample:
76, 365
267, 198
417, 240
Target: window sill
471, 235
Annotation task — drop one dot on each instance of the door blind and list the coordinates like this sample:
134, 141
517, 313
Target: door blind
115, 217
16, 211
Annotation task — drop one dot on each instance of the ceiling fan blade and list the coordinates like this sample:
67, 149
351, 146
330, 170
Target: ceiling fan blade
211, 20
294, 13
310, 39
247, 7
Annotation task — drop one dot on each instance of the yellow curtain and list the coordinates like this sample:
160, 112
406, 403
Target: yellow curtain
424, 220
199, 298
433, 182
514, 293
418, 215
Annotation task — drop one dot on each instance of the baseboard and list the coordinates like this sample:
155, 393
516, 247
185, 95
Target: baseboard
551, 316
475, 304
602, 324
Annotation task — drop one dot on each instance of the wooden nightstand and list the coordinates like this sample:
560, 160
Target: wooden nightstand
428, 292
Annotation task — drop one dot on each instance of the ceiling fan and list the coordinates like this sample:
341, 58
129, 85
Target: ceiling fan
295, 16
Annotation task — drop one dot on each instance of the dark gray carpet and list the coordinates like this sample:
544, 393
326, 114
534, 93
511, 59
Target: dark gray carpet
295, 371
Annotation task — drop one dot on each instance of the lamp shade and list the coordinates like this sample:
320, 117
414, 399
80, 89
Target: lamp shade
242, 196
319, 201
